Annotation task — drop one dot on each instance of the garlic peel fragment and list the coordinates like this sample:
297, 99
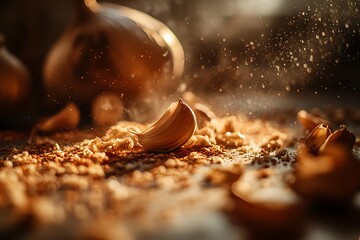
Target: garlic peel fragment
171, 131
309, 121
317, 137
342, 137
65, 119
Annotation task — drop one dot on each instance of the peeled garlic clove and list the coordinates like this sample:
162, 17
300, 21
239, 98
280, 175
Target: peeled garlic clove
67, 118
317, 137
171, 131
342, 137
309, 121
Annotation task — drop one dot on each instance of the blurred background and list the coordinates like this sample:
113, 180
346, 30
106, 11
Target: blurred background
234, 48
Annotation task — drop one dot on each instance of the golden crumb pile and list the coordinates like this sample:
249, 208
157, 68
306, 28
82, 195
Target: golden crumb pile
107, 186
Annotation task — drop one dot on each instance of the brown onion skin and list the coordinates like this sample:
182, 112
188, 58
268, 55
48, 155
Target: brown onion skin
15, 85
103, 50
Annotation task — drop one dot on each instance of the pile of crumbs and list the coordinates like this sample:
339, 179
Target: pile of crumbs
109, 181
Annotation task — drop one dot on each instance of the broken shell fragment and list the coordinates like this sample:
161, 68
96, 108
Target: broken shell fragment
265, 205
327, 169
309, 121
317, 137
342, 137
67, 118
202, 111
171, 131
203, 114
333, 175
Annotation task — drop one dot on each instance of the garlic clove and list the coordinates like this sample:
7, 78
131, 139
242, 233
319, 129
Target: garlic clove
67, 118
171, 131
309, 121
317, 137
342, 137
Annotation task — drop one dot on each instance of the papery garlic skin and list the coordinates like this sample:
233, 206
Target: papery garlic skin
171, 131
65, 119
317, 137
342, 137
309, 121
326, 168
333, 175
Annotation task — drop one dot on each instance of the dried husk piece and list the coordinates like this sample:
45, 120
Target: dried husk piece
265, 205
332, 176
327, 169
342, 137
65, 119
203, 112
317, 137
309, 121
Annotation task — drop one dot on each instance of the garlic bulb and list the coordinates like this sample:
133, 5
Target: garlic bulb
14, 82
171, 131
109, 48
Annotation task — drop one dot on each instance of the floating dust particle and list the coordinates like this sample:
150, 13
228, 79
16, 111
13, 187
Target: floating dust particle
312, 37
